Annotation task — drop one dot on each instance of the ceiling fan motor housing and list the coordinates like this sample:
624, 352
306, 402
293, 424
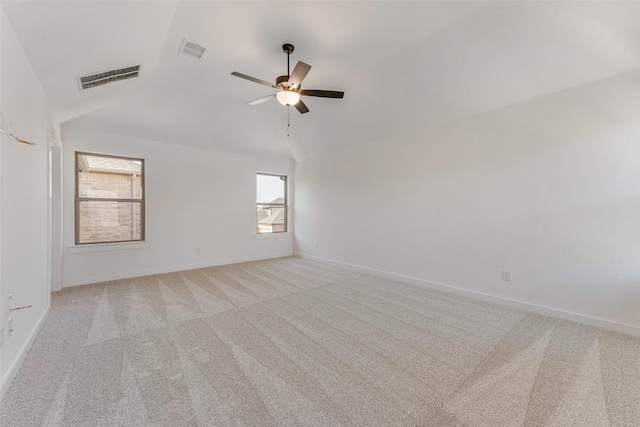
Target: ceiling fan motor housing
283, 83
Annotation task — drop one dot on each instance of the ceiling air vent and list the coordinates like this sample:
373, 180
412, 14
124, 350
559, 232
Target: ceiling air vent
191, 49
99, 79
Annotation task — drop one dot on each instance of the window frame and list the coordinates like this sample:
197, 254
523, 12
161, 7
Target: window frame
284, 205
79, 199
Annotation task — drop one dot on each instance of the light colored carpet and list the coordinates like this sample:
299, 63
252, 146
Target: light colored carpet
290, 342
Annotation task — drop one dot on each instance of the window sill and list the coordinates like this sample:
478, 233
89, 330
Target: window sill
101, 247
271, 235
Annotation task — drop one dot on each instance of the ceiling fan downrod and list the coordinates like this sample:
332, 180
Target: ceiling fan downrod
288, 49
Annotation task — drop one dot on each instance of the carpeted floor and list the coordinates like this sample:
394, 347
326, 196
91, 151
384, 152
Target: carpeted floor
290, 342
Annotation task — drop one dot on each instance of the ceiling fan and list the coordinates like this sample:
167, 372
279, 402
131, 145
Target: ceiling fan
289, 86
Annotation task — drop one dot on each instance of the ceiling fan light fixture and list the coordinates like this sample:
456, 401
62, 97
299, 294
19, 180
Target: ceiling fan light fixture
288, 98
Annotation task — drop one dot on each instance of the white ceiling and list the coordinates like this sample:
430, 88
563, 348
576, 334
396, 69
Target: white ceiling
401, 64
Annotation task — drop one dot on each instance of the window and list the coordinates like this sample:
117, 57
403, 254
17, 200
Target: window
109, 199
272, 203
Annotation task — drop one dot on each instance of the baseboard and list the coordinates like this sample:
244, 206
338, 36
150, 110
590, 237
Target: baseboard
15, 366
534, 308
152, 271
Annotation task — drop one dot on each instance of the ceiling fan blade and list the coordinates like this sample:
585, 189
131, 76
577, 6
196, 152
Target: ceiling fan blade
253, 79
298, 74
261, 100
301, 107
322, 93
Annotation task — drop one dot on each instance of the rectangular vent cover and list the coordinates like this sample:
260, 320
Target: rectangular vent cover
99, 79
191, 49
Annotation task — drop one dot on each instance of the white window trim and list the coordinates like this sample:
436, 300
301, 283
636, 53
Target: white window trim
272, 235
102, 247
287, 233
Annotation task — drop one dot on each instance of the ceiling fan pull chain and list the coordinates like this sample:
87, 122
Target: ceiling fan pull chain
288, 125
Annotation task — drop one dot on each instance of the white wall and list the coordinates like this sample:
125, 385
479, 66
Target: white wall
547, 188
195, 198
23, 202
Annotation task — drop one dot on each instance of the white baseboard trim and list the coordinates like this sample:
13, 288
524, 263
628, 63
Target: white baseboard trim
152, 271
534, 308
17, 363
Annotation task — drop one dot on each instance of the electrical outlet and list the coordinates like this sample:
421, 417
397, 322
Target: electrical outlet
197, 250
506, 275
1, 335
1, 120
9, 303
317, 245
10, 325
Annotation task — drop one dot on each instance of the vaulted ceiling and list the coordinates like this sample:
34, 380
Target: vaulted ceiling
401, 64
